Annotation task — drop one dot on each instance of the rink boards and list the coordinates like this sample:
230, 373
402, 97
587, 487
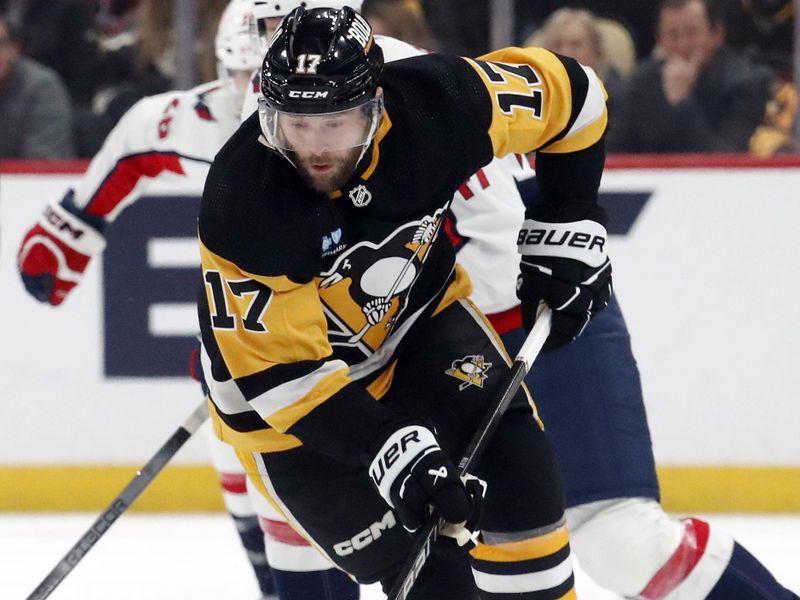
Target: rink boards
705, 266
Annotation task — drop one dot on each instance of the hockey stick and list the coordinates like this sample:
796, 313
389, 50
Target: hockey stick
121, 503
522, 363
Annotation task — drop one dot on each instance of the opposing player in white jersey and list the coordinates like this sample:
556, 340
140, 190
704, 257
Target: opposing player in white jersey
163, 145
595, 416
590, 398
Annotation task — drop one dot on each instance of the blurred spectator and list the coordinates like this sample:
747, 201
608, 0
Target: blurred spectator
637, 17
140, 61
114, 17
154, 54
700, 96
602, 44
401, 19
60, 35
765, 30
35, 113
775, 134
460, 26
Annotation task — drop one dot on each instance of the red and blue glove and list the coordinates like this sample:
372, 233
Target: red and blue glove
55, 252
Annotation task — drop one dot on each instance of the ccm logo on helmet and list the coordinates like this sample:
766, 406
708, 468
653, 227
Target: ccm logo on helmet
365, 538
307, 95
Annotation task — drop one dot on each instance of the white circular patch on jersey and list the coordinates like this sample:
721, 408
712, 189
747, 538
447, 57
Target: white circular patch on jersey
469, 368
381, 278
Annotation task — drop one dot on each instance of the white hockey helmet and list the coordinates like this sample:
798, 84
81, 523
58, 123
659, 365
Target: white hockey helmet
233, 44
270, 9
237, 55
277, 9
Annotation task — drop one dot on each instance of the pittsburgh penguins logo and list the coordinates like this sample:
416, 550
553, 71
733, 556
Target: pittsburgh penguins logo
470, 370
366, 291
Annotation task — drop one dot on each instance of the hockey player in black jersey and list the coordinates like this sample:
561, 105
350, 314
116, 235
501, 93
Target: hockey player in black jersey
337, 334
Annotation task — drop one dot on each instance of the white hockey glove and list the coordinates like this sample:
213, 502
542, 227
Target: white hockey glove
411, 473
55, 252
565, 265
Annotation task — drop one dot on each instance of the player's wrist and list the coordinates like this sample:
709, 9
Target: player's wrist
72, 231
394, 450
583, 241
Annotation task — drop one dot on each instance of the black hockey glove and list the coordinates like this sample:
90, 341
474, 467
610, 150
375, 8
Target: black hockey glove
564, 265
411, 472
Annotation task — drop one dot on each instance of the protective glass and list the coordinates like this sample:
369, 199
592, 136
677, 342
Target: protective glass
262, 30
323, 132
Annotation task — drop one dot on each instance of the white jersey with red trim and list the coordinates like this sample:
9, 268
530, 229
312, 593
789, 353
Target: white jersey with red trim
484, 218
163, 144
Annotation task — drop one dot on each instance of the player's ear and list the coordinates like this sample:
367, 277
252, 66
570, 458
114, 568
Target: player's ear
379, 96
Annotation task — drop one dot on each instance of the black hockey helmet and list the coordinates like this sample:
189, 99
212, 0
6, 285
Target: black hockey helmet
321, 60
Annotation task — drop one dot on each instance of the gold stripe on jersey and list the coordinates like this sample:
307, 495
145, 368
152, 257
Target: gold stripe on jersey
293, 326
580, 139
380, 386
539, 567
531, 99
538, 547
383, 129
327, 387
261, 440
459, 288
254, 475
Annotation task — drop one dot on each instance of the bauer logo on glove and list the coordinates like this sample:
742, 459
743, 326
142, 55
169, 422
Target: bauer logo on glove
565, 266
412, 473
583, 240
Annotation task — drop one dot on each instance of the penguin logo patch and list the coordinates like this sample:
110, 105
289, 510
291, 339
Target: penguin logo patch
470, 370
360, 196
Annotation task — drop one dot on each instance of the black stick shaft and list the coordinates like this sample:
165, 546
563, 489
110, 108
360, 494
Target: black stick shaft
121, 503
427, 536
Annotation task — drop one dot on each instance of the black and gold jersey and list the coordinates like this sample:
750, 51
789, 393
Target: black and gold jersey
309, 298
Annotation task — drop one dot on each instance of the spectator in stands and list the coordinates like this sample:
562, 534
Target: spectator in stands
401, 19
60, 35
602, 44
775, 134
765, 30
637, 17
698, 96
460, 26
35, 112
142, 63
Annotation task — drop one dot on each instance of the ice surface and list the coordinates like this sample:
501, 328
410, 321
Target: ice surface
191, 557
